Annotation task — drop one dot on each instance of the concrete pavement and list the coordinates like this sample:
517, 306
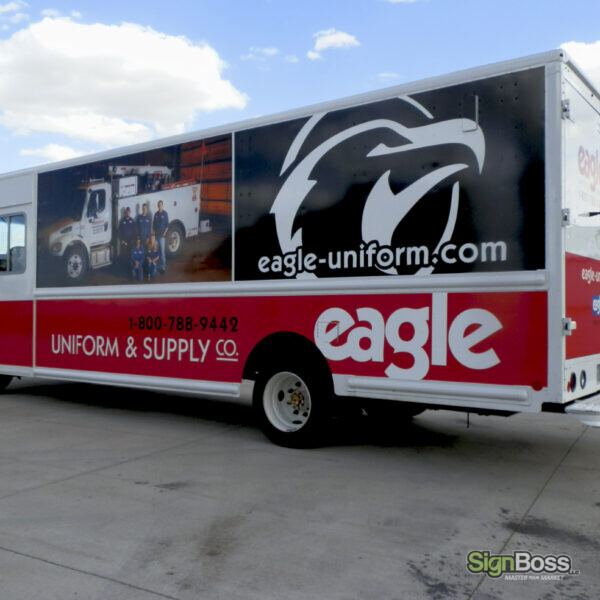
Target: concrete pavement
108, 493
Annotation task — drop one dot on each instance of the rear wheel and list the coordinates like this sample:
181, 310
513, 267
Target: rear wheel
292, 405
4, 381
175, 238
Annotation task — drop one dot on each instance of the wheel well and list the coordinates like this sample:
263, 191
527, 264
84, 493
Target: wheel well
178, 224
76, 244
291, 346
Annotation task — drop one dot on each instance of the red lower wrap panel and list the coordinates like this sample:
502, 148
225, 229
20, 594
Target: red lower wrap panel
582, 291
16, 343
496, 338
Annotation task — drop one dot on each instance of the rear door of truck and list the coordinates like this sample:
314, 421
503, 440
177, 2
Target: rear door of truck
581, 216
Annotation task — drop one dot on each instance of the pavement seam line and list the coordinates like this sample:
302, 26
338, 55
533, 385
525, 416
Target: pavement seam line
83, 572
531, 505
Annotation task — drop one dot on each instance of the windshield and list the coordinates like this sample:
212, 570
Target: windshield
76, 203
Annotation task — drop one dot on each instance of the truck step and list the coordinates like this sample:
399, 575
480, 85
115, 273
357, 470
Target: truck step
100, 256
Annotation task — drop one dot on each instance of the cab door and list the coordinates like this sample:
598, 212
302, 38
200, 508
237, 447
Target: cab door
17, 274
97, 215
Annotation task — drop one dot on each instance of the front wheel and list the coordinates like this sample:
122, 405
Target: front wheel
4, 381
291, 406
76, 265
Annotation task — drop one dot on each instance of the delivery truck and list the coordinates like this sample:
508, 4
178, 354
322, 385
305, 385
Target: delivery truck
431, 245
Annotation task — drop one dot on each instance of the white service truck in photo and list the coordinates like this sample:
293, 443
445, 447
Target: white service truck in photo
88, 239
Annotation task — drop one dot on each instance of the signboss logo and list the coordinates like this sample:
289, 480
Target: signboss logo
362, 337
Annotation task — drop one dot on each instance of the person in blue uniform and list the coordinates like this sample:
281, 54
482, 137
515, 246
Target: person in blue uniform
127, 235
144, 225
160, 226
152, 257
138, 256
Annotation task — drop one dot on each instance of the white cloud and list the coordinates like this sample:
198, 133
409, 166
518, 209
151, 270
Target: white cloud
52, 152
10, 7
108, 131
401, 1
54, 13
587, 56
109, 84
12, 13
260, 54
331, 38
292, 58
387, 77
18, 18
267, 51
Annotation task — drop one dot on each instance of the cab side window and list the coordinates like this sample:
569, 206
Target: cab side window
12, 244
96, 204
101, 201
92, 210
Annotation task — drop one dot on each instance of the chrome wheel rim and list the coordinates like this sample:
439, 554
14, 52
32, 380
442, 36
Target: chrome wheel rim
74, 266
174, 242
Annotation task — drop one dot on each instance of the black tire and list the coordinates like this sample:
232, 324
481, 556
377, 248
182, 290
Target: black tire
4, 381
76, 265
175, 238
292, 405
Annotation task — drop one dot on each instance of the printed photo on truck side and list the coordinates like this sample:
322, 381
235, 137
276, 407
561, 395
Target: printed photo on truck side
161, 216
443, 181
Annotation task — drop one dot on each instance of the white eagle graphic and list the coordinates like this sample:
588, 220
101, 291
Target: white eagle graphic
384, 210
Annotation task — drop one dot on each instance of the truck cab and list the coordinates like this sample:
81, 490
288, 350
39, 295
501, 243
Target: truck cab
83, 240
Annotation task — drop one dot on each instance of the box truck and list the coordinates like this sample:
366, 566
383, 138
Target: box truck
434, 244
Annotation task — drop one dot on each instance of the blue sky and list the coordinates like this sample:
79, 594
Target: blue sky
77, 78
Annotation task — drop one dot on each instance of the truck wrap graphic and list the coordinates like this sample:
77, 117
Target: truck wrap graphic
434, 182
496, 338
582, 297
177, 200
434, 243
582, 240
17, 334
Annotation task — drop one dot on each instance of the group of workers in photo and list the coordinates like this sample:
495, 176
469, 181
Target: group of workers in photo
143, 242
